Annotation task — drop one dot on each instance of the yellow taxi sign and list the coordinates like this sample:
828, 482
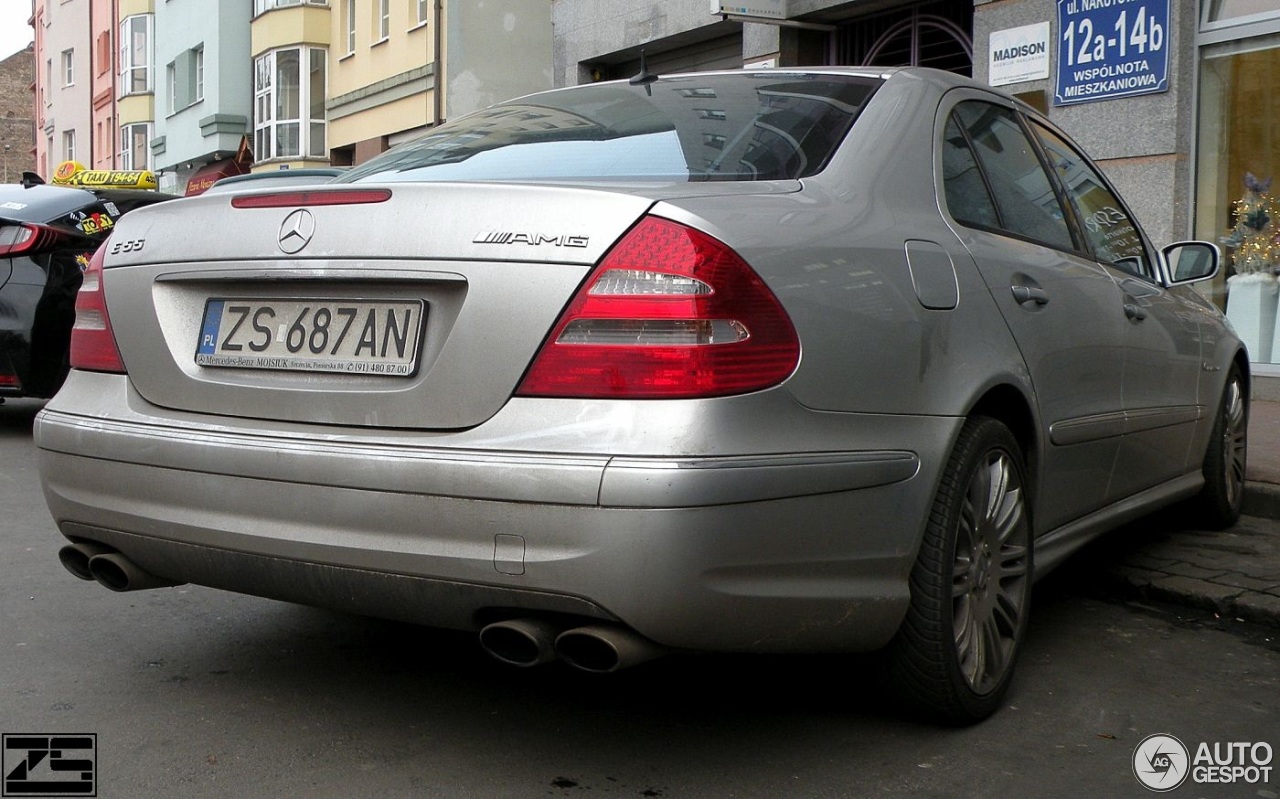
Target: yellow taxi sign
71, 173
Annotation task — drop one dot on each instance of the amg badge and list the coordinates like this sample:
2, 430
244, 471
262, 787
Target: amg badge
534, 239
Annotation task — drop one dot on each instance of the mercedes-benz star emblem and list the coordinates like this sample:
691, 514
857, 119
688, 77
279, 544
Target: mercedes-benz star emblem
296, 231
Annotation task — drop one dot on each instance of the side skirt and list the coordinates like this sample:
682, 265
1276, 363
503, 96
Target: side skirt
1053, 547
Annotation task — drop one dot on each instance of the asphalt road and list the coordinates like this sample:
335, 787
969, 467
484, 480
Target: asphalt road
192, 692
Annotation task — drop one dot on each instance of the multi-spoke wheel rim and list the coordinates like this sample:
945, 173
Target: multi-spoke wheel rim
990, 572
1234, 440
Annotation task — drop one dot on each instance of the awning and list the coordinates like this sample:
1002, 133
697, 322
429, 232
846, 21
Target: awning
207, 175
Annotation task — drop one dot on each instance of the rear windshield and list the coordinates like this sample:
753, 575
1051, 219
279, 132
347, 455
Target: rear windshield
743, 126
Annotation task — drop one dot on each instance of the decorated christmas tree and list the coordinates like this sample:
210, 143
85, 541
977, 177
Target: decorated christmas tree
1254, 241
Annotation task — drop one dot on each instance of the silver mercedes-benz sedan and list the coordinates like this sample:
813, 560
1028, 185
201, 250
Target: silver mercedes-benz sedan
763, 361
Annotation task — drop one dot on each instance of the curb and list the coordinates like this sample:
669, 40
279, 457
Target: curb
1262, 500
1233, 573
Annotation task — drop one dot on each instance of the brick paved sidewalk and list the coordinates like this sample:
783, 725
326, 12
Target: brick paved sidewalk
1234, 572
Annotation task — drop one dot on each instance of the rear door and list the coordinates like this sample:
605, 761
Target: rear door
1063, 309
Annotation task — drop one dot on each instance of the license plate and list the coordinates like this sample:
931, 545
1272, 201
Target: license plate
367, 337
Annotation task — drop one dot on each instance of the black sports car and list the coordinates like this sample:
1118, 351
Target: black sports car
47, 234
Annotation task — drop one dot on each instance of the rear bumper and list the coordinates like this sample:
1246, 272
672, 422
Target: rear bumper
781, 552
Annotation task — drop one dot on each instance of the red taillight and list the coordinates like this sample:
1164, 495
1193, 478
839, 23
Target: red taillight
669, 312
297, 199
26, 238
93, 345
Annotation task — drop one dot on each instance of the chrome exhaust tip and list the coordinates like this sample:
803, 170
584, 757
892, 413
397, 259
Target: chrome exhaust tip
521, 642
602, 648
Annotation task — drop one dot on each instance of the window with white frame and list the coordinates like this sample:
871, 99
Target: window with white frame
384, 19
68, 145
171, 84
351, 25
135, 54
185, 80
422, 12
135, 152
68, 67
197, 57
289, 90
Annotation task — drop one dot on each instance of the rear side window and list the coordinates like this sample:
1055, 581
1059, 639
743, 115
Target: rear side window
1023, 196
736, 127
967, 197
1112, 234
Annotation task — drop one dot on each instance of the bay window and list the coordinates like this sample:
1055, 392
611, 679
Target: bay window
289, 89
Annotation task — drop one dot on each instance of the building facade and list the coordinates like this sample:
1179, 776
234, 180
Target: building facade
198, 89
1173, 98
17, 125
64, 80
203, 94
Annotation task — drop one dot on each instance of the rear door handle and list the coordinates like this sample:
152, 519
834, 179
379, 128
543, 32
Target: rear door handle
1026, 294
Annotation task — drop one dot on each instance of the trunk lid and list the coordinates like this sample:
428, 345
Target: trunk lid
463, 282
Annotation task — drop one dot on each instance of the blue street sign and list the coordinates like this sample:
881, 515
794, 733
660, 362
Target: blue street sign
1111, 48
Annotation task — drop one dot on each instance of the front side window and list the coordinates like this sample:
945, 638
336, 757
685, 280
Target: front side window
289, 87
135, 54
1024, 196
1110, 231
739, 127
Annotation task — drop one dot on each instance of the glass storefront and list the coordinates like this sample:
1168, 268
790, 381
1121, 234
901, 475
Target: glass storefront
1238, 164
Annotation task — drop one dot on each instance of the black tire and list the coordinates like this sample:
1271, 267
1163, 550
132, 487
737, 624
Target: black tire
954, 656
1218, 504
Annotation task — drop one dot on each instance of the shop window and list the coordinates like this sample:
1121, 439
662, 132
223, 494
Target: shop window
1236, 10
1238, 180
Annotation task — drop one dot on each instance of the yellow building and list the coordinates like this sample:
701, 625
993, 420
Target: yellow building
383, 76
339, 81
136, 103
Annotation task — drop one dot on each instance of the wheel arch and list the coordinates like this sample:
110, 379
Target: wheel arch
1006, 403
